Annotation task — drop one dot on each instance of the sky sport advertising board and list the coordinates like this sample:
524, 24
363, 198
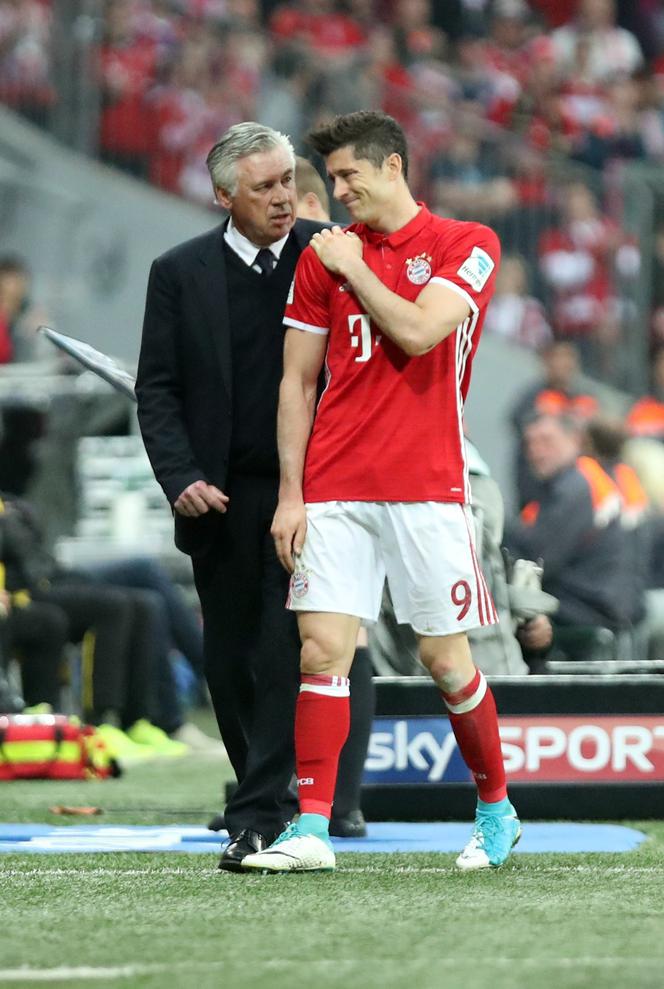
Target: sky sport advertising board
542, 749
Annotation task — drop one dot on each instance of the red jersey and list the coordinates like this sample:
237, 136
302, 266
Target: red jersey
388, 426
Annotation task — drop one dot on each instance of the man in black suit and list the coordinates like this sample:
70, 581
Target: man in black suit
207, 389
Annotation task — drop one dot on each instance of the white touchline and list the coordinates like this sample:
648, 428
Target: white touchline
131, 971
81, 972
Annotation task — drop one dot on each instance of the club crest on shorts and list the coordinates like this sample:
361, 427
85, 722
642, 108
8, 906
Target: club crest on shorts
299, 583
418, 269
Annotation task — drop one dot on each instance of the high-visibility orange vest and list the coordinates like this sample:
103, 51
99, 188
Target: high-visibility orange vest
635, 499
646, 418
604, 493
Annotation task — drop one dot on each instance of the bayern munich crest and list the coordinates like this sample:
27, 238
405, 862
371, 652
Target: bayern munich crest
418, 269
299, 584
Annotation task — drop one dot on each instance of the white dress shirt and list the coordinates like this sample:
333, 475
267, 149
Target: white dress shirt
244, 248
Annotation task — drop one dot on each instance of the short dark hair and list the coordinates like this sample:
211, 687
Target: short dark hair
308, 180
372, 135
13, 264
567, 423
607, 436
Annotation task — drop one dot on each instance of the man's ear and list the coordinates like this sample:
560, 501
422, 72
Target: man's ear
312, 200
222, 197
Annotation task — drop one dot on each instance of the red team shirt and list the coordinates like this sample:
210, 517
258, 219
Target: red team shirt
389, 427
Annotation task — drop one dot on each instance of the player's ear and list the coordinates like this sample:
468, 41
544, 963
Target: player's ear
394, 165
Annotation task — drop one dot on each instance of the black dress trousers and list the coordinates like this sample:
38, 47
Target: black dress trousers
252, 653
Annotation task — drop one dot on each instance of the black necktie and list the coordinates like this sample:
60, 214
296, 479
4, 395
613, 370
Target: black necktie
265, 260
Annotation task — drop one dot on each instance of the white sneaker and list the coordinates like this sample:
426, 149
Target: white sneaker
198, 741
293, 851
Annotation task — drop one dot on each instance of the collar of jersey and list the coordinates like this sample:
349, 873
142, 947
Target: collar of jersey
398, 237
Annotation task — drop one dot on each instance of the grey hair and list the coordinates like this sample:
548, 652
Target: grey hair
241, 140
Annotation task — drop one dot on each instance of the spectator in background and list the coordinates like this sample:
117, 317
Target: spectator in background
317, 26
466, 183
25, 58
616, 133
179, 629
121, 631
178, 112
579, 262
313, 200
645, 418
128, 64
655, 591
283, 101
560, 391
506, 49
13, 295
18, 319
36, 633
606, 438
657, 288
611, 50
533, 107
417, 38
513, 314
574, 527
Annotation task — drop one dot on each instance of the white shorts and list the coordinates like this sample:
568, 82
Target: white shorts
425, 549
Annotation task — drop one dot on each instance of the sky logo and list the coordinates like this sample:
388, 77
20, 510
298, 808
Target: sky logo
551, 748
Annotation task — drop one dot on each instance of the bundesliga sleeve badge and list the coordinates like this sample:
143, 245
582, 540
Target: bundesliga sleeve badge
418, 269
476, 269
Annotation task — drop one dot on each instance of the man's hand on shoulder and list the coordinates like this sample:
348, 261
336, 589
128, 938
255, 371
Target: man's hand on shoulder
337, 249
289, 527
198, 498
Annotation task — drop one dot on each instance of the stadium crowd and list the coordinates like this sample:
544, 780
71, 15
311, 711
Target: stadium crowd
520, 114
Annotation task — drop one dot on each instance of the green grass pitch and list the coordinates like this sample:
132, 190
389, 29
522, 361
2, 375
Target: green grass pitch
143, 920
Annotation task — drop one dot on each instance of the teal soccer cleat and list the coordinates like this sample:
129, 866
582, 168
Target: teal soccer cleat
493, 838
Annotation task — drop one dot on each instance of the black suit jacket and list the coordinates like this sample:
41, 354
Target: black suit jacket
184, 384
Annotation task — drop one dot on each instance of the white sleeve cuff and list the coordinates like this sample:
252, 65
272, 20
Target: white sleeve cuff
460, 291
308, 327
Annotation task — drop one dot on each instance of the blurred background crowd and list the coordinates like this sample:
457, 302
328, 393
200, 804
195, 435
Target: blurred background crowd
527, 115
544, 119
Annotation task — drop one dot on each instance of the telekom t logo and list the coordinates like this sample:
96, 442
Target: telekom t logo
359, 327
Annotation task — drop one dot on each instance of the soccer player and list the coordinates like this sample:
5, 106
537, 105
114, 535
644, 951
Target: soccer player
377, 484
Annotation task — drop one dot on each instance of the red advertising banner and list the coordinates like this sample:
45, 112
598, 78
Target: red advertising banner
585, 747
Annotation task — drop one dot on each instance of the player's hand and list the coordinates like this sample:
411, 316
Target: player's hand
337, 249
198, 498
289, 527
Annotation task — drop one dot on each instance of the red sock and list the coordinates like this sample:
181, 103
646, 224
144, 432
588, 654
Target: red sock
322, 720
474, 722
